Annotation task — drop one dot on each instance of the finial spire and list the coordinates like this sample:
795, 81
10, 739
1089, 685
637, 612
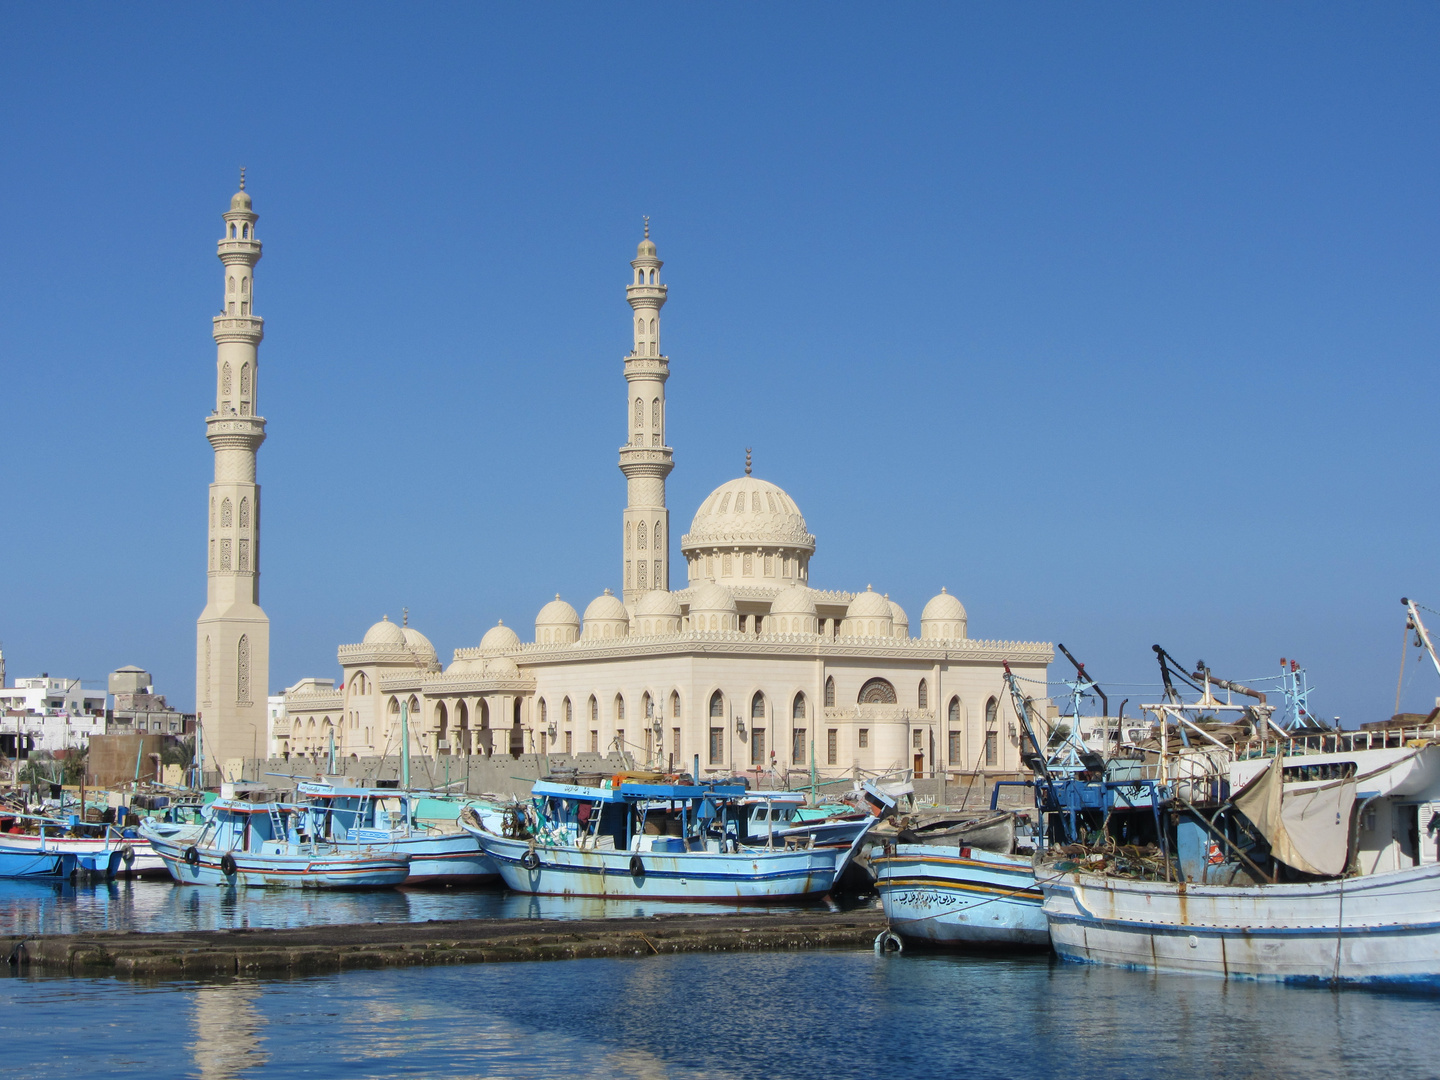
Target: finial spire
647, 225
747, 461
242, 177
404, 616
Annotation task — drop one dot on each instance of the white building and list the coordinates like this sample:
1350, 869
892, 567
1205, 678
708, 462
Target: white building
57, 714
745, 667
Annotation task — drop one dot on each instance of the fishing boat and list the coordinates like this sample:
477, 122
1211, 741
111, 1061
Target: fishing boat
51, 852
661, 842
1291, 853
269, 843
422, 826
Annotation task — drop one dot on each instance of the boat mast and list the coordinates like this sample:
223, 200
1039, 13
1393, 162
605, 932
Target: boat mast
1422, 635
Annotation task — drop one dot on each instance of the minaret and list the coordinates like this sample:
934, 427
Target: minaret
232, 648
645, 459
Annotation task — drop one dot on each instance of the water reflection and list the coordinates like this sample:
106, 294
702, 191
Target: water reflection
227, 1027
28, 907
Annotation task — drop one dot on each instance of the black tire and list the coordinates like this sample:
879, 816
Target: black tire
530, 861
127, 854
637, 867
227, 864
192, 856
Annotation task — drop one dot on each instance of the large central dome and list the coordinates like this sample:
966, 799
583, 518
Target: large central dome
748, 532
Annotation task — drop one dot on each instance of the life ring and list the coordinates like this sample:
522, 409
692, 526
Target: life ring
637, 867
530, 861
192, 856
887, 941
227, 864
127, 854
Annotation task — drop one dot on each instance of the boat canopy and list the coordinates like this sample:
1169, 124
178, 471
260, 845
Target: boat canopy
634, 792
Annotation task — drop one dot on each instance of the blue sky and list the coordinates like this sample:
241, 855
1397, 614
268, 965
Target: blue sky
1119, 321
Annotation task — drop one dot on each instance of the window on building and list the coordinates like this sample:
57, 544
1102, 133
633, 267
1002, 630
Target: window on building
543, 711
675, 742
955, 710
924, 695
877, 692
726, 565
757, 706
992, 748
569, 713
717, 706
915, 737
717, 745
619, 707
757, 746
798, 749
594, 710
957, 754
832, 746
830, 695
675, 704
748, 565
864, 738
797, 708
992, 712
594, 742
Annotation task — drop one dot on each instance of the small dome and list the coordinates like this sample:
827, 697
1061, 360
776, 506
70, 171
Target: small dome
606, 617
868, 605
557, 612
465, 667
658, 602
796, 600
645, 249
500, 667
899, 621
500, 637
240, 200
417, 641
709, 597
385, 632
943, 618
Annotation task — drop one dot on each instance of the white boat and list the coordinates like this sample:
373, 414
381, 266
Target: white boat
259, 844
960, 896
659, 842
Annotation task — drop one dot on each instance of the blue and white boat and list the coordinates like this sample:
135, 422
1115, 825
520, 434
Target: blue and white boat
960, 896
244, 843
52, 851
423, 826
659, 842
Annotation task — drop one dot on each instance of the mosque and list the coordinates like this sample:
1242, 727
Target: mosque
745, 666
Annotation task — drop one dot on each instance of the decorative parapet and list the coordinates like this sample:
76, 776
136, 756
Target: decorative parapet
436, 685
314, 702
249, 328
879, 713
350, 655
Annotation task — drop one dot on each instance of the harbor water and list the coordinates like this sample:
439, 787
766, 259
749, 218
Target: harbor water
830, 1015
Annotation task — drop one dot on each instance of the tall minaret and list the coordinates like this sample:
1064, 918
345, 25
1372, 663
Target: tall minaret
645, 459
232, 647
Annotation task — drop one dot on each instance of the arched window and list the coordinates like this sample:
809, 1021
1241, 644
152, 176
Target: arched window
797, 710
640, 536
230, 286
244, 378
830, 693
992, 713
244, 286
654, 349
717, 706
924, 695
652, 326
954, 710
543, 711
242, 670
394, 709
647, 706
755, 502
619, 707
569, 713
232, 229
652, 277
639, 412
639, 326
655, 414
594, 710
757, 706
675, 704
245, 231
877, 692
657, 548
225, 379
244, 513
226, 513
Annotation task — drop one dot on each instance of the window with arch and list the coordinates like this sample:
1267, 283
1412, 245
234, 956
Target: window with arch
652, 326
797, 707
757, 706
244, 378
924, 695
242, 670
655, 414
675, 704
717, 706
992, 712
640, 536
245, 231
647, 706
658, 536
244, 286
569, 711
639, 277
244, 513
226, 513
954, 710
225, 379
594, 710
230, 286
544, 712
877, 692
639, 412
232, 230
830, 693
654, 349
726, 564
747, 565
639, 326
652, 277
619, 707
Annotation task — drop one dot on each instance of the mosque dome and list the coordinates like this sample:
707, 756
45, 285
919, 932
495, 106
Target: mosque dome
464, 666
606, 617
500, 638
869, 615
712, 607
792, 612
557, 623
418, 642
240, 200
500, 667
385, 632
657, 612
899, 621
943, 618
645, 249
748, 511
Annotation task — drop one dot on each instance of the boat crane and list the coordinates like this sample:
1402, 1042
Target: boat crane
1422, 636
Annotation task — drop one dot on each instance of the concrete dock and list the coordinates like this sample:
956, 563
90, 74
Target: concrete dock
308, 950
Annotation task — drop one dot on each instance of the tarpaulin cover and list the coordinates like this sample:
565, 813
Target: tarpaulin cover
1309, 830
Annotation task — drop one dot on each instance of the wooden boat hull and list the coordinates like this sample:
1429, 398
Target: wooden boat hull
960, 897
1382, 929
23, 855
751, 876
322, 869
448, 859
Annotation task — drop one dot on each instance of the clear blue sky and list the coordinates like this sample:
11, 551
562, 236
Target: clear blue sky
1118, 320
